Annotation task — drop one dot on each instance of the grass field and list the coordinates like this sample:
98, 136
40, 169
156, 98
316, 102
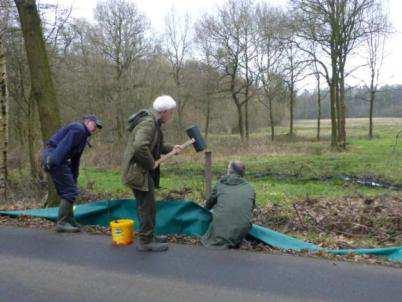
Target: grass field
283, 171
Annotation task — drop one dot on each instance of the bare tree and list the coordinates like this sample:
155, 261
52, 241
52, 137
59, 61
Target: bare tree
378, 30
269, 61
121, 36
249, 54
177, 41
337, 27
317, 76
229, 35
295, 66
210, 83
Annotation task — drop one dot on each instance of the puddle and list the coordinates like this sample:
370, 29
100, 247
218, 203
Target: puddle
363, 181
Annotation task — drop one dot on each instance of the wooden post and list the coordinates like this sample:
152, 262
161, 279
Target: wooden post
207, 174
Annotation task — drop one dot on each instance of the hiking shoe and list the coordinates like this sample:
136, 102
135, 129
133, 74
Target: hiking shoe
66, 228
152, 247
74, 223
161, 239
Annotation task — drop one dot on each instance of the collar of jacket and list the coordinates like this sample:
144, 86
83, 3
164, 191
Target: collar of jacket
155, 116
232, 179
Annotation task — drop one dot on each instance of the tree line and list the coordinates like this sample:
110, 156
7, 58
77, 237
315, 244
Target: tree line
388, 103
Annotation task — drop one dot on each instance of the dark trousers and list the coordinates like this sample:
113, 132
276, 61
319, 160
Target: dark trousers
63, 180
146, 212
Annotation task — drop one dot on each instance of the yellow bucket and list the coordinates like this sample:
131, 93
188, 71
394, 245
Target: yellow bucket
122, 231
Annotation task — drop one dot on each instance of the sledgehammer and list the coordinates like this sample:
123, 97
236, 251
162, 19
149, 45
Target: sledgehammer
196, 140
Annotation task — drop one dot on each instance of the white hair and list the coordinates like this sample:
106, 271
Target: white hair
163, 103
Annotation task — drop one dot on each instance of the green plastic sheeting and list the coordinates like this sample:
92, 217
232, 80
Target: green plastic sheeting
188, 218
285, 242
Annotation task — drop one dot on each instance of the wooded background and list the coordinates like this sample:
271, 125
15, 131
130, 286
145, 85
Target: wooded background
245, 67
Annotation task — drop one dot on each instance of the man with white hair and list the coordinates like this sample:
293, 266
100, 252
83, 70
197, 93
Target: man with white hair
144, 146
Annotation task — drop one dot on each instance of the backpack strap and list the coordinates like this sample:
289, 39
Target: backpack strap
136, 118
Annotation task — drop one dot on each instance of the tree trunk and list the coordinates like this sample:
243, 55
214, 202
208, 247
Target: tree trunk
240, 122
180, 99
334, 126
271, 119
333, 84
42, 89
318, 109
3, 123
246, 121
180, 118
372, 98
342, 111
117, 102
236, 101
120, 124
338, 113
291, 117
372, 95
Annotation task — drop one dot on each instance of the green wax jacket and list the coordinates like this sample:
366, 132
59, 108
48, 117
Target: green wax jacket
144, 146
232, 201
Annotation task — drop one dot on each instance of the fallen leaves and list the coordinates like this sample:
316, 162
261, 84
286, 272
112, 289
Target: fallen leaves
347, 222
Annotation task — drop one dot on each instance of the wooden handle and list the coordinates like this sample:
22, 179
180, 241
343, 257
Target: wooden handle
187, 143
173, 152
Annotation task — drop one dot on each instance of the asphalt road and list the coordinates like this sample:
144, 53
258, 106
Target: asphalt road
37, 265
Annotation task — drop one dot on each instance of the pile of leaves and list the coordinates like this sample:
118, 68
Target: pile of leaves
176, 193
343, 223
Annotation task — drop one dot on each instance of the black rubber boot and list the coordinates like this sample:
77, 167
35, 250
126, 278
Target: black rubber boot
71, 219
152, 247
63, 225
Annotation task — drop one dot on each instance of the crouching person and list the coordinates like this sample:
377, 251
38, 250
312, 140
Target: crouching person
231, 203
61, 159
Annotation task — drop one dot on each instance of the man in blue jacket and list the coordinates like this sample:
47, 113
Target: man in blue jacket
61, 159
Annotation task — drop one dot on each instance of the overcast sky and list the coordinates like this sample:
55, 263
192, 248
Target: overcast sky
156, 10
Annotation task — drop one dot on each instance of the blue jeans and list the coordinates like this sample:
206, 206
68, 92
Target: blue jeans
62, 177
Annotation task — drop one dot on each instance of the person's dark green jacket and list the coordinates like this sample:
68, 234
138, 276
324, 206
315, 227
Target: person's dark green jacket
144, 146
232, 201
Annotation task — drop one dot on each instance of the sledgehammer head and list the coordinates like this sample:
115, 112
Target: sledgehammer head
199, 143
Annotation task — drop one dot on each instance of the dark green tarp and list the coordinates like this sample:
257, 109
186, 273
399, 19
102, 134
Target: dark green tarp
188, 218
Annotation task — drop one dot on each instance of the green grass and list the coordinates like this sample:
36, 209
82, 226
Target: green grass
302, 159
102, 181
287, 192
269, 190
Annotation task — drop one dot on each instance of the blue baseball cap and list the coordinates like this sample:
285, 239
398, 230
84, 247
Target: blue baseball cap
92, 117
